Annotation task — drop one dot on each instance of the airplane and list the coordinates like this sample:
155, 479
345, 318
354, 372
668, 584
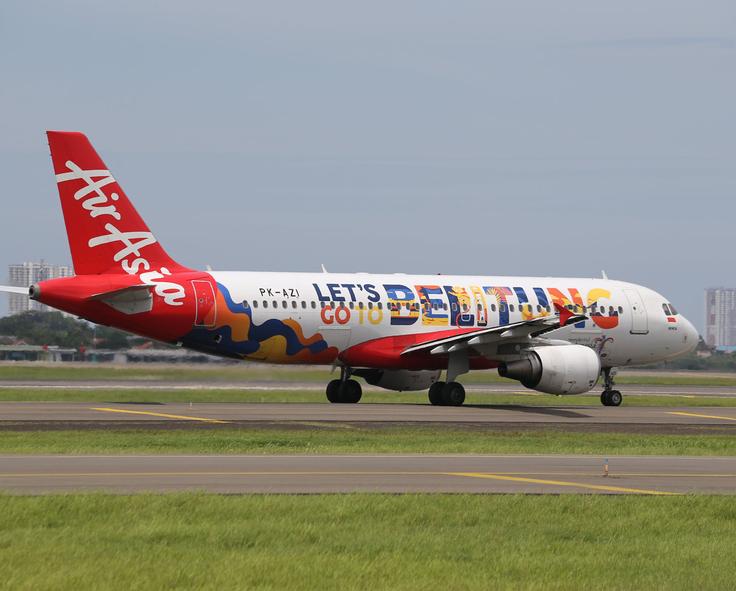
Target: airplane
396, 331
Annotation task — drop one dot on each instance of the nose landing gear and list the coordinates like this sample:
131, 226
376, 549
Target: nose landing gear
609, 396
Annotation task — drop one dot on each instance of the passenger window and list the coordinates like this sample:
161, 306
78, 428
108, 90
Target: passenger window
304, 305
370, 305
265, 304
511, 307
293, 303
314, 305
493, 307
255, 303
360, 305
380, 306
620, 310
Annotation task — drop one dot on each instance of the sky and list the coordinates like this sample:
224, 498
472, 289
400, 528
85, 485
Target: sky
477, 137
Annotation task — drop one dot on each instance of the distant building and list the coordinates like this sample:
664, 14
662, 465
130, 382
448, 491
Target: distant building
25, 275
720, 316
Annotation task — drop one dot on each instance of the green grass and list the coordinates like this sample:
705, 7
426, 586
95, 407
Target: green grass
206, 374
372, 542
522, 397
255, 372
665, 379
341, 438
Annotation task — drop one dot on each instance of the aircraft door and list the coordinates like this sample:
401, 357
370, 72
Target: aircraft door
206, 306
639, 320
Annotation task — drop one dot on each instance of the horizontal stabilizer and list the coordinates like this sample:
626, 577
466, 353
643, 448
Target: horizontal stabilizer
14, 289
135, 299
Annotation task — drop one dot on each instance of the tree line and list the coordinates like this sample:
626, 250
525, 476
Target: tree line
53, 328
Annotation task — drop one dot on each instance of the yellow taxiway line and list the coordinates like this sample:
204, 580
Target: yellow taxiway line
490, 476
160, 414
640, 491
693, 414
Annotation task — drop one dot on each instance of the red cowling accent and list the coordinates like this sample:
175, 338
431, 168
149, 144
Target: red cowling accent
106, 234
385, 353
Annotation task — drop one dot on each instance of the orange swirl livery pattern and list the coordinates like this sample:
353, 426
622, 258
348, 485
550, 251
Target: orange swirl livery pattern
234, 334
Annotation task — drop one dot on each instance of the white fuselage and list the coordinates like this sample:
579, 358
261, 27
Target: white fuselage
628, 324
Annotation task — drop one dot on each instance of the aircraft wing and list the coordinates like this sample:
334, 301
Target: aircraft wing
526, 329
14, 289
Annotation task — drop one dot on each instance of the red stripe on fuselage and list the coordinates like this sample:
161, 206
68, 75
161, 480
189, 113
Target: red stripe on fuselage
385, 352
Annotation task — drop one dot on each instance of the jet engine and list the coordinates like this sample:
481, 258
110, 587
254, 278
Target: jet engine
399, 379
559, 369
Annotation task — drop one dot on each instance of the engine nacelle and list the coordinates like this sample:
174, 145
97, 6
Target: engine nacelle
399, 379
563, 369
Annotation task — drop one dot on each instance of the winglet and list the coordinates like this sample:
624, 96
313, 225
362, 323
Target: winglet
564, 313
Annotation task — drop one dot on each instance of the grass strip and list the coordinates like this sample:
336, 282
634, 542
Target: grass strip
255, 372
341, 438
373, 541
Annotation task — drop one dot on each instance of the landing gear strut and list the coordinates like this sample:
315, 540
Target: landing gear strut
344, 390
609, 396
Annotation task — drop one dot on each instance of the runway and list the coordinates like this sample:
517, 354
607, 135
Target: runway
286, 385
535, 474
14, 415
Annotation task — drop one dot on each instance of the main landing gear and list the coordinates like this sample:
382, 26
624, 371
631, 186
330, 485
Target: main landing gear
609, 396
451, 393
344, 390
447, 394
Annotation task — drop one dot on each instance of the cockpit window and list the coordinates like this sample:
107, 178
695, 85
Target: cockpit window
669, 309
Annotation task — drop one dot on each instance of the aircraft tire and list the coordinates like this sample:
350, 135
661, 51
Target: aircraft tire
334, 391
435, 394
611, 398
453, 394
351, 392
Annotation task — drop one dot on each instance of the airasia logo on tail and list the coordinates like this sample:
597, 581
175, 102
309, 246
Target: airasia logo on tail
95, 201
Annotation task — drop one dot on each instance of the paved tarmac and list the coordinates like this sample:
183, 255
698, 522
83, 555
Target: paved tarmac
369, 473
270, 385
85, 414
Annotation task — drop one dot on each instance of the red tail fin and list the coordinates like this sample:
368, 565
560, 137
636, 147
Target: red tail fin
106, 234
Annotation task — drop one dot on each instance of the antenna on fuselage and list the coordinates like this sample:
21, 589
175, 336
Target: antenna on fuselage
323, 268
603, 274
